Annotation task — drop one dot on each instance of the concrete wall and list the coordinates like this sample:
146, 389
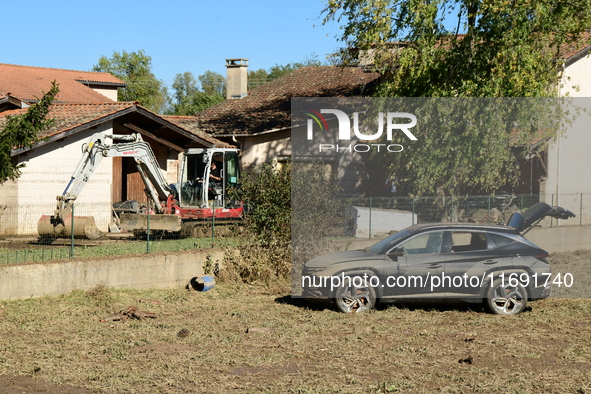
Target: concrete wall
174, 270
561, 238
154, 271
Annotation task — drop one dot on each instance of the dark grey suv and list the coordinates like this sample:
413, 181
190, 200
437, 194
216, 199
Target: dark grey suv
475, 263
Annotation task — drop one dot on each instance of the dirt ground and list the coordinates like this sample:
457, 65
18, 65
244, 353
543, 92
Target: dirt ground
254, 338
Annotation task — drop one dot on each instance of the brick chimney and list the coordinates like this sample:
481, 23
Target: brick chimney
236, 78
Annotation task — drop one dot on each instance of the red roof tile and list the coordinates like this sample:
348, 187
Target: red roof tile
68, 117
268, 106
188, 123
27, 83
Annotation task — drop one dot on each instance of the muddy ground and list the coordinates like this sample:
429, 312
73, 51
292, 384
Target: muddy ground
255, 338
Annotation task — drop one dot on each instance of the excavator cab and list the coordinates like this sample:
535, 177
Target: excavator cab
207, 176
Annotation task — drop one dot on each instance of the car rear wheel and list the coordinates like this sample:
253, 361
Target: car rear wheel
502, 299
355, 295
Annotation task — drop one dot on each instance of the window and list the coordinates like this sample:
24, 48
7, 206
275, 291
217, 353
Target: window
500, 240
424, 243
232, 168
468, 241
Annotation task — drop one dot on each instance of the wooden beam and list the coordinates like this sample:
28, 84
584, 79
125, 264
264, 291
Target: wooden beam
153, 136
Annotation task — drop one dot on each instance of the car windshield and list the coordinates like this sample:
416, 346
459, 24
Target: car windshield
386, 244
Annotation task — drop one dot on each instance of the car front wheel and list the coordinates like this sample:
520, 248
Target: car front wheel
355, 295
503, 299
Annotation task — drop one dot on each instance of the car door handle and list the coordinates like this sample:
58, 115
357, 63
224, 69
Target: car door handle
488, 262
434, 266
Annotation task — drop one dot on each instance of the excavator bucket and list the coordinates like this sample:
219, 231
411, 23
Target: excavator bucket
84, 227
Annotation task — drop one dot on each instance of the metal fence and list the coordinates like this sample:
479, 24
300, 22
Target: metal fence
20, 241
371, 216
364, 217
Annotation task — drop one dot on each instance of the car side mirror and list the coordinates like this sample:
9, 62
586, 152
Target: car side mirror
395, 253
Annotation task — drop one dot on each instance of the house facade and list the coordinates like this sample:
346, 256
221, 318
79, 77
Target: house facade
568, 181
50, 162
259, 121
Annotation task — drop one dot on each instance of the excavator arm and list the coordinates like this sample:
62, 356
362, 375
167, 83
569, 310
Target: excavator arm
99, 146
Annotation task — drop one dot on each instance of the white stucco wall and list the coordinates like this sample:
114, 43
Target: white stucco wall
111, 93
569, 180
266, 148
575, 80
47, 172
568, 183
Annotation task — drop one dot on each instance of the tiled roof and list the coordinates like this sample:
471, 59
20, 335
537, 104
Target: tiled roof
188, 123
575, 50
68, 117
27, 83
268, 107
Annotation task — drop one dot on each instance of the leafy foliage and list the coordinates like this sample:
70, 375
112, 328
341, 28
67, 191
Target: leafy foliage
189, 99
266, 255
267, 193
463, 48
22, 131
317, 213
213, 83
292, 208
467, 145
135, 69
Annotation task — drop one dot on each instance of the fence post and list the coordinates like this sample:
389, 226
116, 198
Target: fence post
213, 224
72, 235
148, 229
370, 204
488, 214
581, 211
413, 210
552, 220
451, 216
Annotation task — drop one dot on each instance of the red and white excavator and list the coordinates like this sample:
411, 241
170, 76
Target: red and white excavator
178, 207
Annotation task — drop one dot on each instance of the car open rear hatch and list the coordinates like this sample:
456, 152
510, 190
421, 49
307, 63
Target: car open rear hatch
532, 216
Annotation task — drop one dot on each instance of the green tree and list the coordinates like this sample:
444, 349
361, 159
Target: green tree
257, 78
462, 48
188, 99
506, 49
135, 69
23, 131
184, 85
213, 83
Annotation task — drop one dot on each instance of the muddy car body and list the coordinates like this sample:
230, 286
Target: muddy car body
473, 263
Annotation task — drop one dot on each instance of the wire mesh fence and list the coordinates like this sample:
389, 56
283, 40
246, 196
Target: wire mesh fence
29, 234
370, 217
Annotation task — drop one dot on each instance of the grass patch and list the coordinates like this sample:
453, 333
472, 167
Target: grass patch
26, 253
246, 338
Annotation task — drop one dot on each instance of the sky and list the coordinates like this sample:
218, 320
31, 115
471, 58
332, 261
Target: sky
179, 35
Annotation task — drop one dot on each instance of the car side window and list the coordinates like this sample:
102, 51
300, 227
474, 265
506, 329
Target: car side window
423, 244
466, 241
500, 240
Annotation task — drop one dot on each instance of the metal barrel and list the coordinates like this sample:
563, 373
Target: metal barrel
202, 283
